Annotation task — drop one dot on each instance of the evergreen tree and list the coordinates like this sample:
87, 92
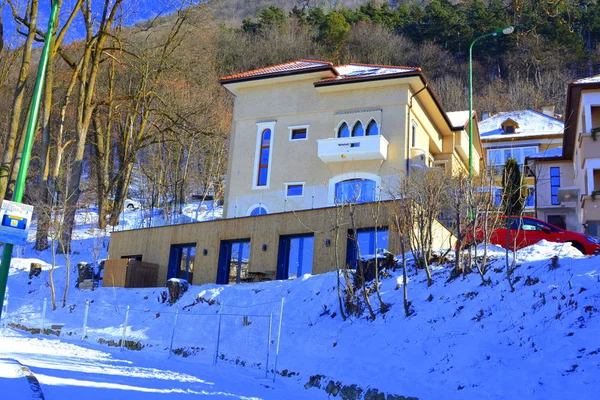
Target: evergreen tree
513, 200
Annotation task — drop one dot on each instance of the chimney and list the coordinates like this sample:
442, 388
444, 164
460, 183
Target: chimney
548, 110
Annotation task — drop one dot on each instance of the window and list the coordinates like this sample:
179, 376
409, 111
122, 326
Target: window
530, 200
413, 138
234, 262
260, 210
554, 184
294, 189
181, 261
299, 132
499, 156
263, 161
358, 129
372, 128
295, 256
355, 191
343, 131
367, 242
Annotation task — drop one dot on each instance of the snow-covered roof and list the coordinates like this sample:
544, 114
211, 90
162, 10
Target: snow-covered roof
531, 123
590, 79
356, 71
458, 119
549, 153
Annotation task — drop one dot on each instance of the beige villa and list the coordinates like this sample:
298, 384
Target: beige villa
307, 135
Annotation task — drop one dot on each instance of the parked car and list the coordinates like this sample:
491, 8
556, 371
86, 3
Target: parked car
131, 204
517, 232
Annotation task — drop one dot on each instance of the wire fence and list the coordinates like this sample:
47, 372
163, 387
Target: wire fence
244, 335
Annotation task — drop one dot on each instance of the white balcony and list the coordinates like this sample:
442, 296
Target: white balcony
353, 148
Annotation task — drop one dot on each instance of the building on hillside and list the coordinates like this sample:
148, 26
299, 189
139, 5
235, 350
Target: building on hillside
572, 176
520, 134
307, 134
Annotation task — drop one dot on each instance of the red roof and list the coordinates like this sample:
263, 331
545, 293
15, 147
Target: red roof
280, 69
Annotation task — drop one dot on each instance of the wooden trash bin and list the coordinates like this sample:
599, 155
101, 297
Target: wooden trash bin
129, 274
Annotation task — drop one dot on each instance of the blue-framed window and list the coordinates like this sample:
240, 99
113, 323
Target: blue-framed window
355, 191
368, 241
554, 184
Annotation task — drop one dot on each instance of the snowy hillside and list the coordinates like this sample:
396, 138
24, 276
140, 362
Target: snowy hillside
463, 340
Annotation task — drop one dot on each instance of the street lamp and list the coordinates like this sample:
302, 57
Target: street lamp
500, 31
29, 134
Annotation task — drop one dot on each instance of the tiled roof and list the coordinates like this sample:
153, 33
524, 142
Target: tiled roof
286, 68
351, 72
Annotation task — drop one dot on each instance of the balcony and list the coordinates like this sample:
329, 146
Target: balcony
353, 148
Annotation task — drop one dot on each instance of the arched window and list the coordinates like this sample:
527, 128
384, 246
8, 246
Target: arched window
355, 191
258, 211
358, 129
372, 128
263, 160
343, 131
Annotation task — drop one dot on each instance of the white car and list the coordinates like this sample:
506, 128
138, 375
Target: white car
131, 204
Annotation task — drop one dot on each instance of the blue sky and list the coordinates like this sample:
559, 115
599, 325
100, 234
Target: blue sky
133, 10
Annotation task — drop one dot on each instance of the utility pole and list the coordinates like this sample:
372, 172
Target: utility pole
29, 134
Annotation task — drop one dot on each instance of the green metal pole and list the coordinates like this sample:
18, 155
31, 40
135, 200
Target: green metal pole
506, 31
29, 134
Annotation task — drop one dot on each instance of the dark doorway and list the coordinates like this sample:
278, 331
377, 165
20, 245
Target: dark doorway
558, 221
295, 256
181, 261
234, 260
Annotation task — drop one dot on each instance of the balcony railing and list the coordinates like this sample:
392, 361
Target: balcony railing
353, 148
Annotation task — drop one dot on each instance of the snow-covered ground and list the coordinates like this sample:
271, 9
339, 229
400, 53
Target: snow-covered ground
464, 340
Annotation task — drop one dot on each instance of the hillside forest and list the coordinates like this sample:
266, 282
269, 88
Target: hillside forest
137, 111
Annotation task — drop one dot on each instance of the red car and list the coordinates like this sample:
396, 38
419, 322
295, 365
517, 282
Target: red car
518, 232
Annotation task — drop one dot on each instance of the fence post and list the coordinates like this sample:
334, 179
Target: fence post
268, 344
124, 328
85, 319
44, 315
218, 335
5, 312
278, 339
173, 333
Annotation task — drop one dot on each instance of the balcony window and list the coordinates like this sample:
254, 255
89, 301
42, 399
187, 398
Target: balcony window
372, 128
358, 130
343, 131
355, 191
498, 157
530, 200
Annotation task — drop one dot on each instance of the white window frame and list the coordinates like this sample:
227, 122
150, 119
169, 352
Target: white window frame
291, 129
260, 128
502, 149
287, 184
352, 175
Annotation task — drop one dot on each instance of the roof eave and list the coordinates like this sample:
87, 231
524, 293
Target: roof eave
323, 68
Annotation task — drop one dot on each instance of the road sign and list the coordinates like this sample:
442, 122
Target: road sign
15, 220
